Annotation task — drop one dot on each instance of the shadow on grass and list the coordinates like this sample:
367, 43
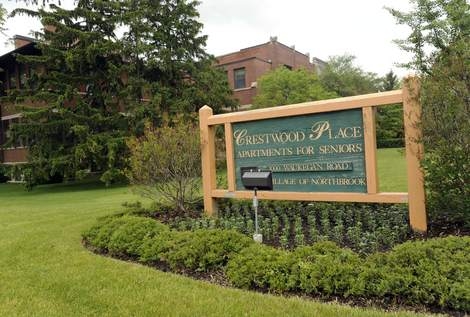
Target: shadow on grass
58, 188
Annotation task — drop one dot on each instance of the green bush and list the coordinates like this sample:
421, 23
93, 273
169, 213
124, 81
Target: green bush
326, 269
440, 43
434, 272
98, 236
203, 250
263, 267
122, 235
391, 143
165, 164
447, 176
153, 248
323, 268
128, 238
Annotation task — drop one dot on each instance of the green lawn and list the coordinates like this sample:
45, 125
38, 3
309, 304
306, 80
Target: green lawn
45, 271
391, 165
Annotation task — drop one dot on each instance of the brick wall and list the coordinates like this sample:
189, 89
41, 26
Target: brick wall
18, 155
257, 61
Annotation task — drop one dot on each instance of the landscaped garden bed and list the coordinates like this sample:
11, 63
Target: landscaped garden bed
433, 275
364, 228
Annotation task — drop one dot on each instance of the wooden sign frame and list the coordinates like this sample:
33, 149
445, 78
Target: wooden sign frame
408, 96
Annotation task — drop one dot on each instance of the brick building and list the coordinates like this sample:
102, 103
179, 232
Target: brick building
14, 75
244, 67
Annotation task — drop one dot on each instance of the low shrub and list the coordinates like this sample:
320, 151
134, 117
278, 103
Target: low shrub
153, 248
203, 250
98, 235
122, 235
151, 241
325, 269
321, 269
263, 267
390, 143
128, 238
434, 273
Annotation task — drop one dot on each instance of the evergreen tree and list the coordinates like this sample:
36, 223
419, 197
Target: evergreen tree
390, 81
3, 14
166, 55
390, 131
80, 126
97, 88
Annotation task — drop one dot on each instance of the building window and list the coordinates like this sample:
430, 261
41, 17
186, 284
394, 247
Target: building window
239, 78
288, 67
4, 83
6, 134
23, 73
4, 126
12, 79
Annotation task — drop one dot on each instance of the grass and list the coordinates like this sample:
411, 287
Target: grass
45, 271
391, 165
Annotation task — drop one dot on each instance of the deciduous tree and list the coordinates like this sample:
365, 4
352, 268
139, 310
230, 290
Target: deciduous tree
440, 44
347, 79
283, 86
165, 164
99, 85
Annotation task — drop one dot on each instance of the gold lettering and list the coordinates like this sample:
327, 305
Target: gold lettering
305, 150
284, 181
270, 152
340, 148
312, 167
318, 128
239, 136
348, 132
342, 181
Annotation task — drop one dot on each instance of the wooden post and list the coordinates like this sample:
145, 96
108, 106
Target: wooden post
370, 144
414, 153
208, 160
229, 157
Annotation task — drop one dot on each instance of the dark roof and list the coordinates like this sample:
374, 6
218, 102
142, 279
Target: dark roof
28, 49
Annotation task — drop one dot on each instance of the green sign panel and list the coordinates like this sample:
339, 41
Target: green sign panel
310, 153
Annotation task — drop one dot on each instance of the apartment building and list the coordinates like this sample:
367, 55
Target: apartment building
14, 75
243, 68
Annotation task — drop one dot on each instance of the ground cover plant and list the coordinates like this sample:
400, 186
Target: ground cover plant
365, 228
433, 274
45, 271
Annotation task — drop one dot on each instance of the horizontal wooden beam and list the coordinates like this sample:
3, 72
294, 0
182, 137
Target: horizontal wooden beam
302, 196
377, 99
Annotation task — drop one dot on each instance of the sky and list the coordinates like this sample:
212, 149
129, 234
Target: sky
323, 28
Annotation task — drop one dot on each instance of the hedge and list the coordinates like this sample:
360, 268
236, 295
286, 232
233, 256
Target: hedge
435, 273
201, 250
122, 236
